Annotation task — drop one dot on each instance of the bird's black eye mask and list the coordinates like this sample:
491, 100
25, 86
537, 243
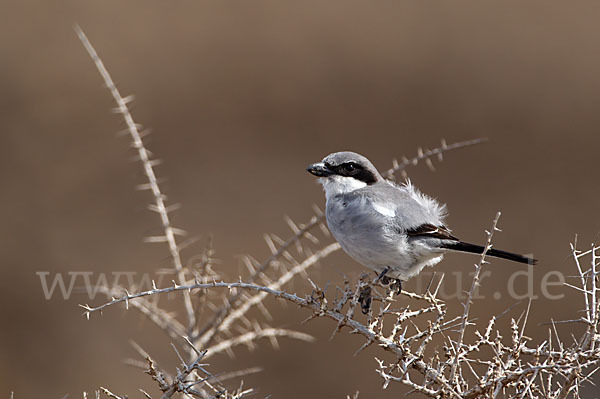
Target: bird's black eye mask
353, 169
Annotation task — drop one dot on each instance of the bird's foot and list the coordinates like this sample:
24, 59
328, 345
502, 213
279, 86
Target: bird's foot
385, 280
365, 299
395, 284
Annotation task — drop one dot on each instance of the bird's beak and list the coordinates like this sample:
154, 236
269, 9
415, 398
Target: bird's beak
319, 169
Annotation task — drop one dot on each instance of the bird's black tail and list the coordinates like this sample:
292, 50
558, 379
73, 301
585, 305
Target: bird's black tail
478, 249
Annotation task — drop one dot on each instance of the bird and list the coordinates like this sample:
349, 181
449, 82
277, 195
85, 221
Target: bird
393, 229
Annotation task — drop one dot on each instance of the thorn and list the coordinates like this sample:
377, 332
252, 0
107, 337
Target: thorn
363, 347
311, 238
324, 229
178, 232
270, 243
154, 239
155, 162
144, 133
145, 186
430, 164
291, 223
128, 99
317, 210
173, 207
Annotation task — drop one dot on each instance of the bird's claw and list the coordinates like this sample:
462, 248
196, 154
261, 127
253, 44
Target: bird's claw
385, 280
395, 284
365, 299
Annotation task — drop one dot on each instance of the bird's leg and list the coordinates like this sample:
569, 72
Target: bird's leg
365, 299
385, 280
394, 283
397, 286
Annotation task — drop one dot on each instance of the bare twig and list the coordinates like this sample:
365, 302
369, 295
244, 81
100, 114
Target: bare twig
469, 301
159, 205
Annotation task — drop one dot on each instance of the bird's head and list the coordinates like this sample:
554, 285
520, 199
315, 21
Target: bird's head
343, 172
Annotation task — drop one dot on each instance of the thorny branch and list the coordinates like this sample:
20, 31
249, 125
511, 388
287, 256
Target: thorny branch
514, 367
469, 301
148, 164
192, 379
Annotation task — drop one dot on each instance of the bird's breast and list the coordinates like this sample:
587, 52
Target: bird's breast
364, 233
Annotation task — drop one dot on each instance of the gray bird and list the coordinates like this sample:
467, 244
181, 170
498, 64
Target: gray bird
393, 229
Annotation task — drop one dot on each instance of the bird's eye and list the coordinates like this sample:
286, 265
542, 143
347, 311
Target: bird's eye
350, 168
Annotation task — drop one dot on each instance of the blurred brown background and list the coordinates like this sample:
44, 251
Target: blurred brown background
241, 96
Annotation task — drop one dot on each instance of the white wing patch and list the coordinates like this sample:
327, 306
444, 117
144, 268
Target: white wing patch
384, 210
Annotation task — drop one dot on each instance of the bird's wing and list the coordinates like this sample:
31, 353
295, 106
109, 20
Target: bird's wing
431, 231
406, 206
